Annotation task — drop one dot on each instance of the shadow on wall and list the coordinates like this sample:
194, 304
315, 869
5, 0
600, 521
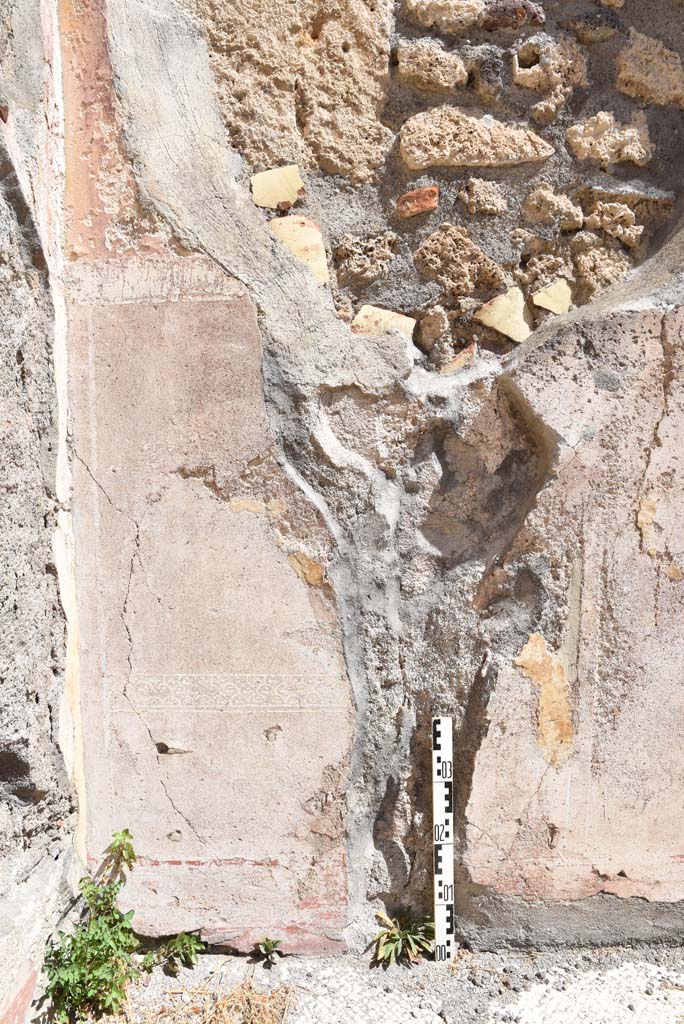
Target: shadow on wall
489, 478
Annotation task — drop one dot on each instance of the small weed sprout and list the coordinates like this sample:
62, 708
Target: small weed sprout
179, 951
268, 950
403, 938
120, 856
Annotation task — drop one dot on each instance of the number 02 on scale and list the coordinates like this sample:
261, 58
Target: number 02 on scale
443, 836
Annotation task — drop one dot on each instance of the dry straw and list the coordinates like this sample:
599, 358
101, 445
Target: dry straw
243, 1005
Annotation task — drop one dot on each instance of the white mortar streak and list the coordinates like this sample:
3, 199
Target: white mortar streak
386, 502
359, 845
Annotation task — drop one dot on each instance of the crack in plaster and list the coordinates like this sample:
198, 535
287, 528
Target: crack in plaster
162, 781
302, 355
134, 557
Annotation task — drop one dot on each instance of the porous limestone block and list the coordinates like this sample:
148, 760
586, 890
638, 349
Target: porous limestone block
305, 241
451, 257
544, 206
616, 220
597, 266
364, 260
446, 16
454, 17
602, 139
278, 188
649, 204
486, 197
551, 66
448, 137
649, 71
298, 86
428, 66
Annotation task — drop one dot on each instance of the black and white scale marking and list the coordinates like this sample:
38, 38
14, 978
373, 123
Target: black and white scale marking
443, 836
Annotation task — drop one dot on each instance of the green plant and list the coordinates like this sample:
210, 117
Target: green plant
179, 951
120, 853
402, 938
268, 950
88, 970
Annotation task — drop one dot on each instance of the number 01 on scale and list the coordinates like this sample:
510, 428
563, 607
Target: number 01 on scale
443, 836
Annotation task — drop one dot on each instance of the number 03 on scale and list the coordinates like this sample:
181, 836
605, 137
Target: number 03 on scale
443, 836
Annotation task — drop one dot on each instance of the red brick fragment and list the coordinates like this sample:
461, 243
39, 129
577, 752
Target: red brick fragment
421, 200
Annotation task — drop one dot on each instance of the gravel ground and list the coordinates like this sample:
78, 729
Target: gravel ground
606, 986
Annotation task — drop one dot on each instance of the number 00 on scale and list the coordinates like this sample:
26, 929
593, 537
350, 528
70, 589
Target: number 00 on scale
443, 836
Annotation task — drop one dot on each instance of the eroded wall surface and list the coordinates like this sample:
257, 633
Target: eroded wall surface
401, 441
498, 483
37, 801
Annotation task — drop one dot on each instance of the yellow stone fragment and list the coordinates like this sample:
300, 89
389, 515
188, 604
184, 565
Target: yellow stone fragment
646, 517
247, 505
547, 673
276, 506
557, 297
508, 314
304, 240
279, 185
375, 320
307, 569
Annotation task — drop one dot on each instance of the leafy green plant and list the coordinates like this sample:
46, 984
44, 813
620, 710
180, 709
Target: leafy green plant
120, 853
268, 950
89, 969
179, 951
402, 938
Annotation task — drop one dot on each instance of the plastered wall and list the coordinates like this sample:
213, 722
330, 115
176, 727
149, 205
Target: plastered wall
396, 440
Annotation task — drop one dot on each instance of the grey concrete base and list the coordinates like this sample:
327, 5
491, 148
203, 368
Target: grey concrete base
495, 922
